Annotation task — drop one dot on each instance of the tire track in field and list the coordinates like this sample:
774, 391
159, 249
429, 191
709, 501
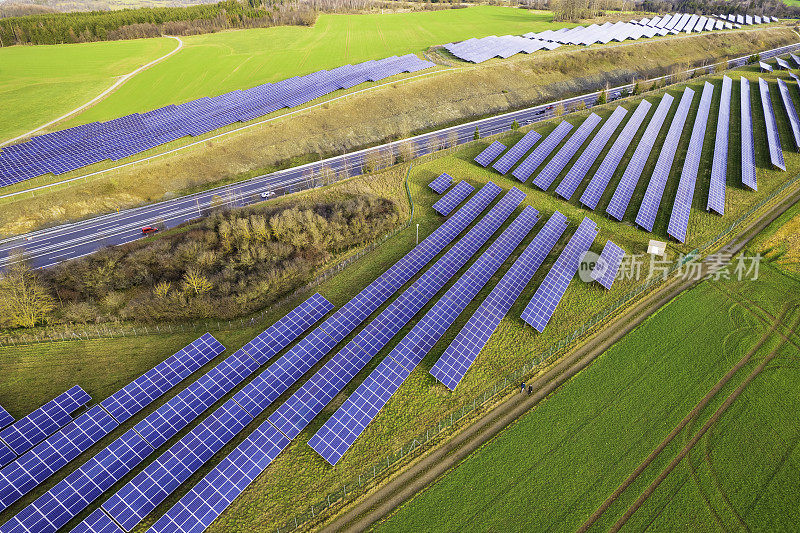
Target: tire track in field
686, 449
674, 433
715, 479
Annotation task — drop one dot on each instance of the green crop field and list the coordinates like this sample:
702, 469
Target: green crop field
215, 63
552, 469
41, 83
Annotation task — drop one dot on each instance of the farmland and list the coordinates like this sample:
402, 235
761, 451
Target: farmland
565, 457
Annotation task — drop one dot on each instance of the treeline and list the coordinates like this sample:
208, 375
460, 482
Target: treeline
57, 28
232, 263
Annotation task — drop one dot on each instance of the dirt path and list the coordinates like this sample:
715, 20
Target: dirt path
117, 84
423, 471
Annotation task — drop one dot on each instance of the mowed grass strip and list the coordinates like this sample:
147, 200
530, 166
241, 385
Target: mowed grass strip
560, 461
41, 83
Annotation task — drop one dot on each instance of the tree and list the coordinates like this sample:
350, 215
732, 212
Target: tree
559, 110
602, 98
24, 300
515, 125
477, 134
195, 283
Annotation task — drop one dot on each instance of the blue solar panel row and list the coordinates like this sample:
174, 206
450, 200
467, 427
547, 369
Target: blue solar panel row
66, 150
540, 153
545, 300
5, 417
648, 210
141, 495
719, 166
607, 266
520, 148
97, 522
296, 413
773, 139
462, 352
578, 171
795, 59
791, 112
68, 497
748, 144
352, 418
490, 153
29, 431
130, 399
225, 482
679, 219
559, 161
441, 183
627, 184
46, 458
6, 455
445, 205
591, 195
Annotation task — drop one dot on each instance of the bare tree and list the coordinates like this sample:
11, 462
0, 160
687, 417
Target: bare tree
24, 300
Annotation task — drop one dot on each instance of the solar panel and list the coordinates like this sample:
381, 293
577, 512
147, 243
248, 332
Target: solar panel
679, 219
520, 148
97, 522
5, 418
540, 153
773, 139
462, 352
719, 166
6, 455
554, 167
782, 64
594, 191
445, 205
543, 304
152, 384
490, 153
791, 112
748, 145
658, 180
627, 184
795, 59
765, 67
207, 499
46, 458
441, 183
350, 420
291, 417
26, 432
578, 171
795, 77
607, 266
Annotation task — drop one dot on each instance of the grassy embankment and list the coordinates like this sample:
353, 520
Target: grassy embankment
395, 111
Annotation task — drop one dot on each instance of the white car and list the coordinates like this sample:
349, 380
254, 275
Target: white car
267, 194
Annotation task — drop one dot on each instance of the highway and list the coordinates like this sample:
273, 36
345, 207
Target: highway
50, 246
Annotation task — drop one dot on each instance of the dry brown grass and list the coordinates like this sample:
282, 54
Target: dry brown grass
376, 116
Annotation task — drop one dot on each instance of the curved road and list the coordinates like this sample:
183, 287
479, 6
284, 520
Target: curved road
50, 246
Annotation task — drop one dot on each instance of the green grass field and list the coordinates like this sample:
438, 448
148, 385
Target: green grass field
40, 83
552, 469
215, 63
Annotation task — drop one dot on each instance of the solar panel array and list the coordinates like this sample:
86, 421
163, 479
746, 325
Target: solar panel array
490, 153
479, 50
441, 183
29, 431
554, 167
207, 499
748, 144
540, 153
5, 417
594, 191
462, 352
543, 304
510, 158
445, 205
648, 210
578, 171
351, 419
66, 150
129, 505
622, 195
773, 139
607, 265
719, 166
791, 112
130, 399
97, 522
679, 219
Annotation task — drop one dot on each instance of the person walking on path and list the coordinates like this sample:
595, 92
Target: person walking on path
530, 389
522, 385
